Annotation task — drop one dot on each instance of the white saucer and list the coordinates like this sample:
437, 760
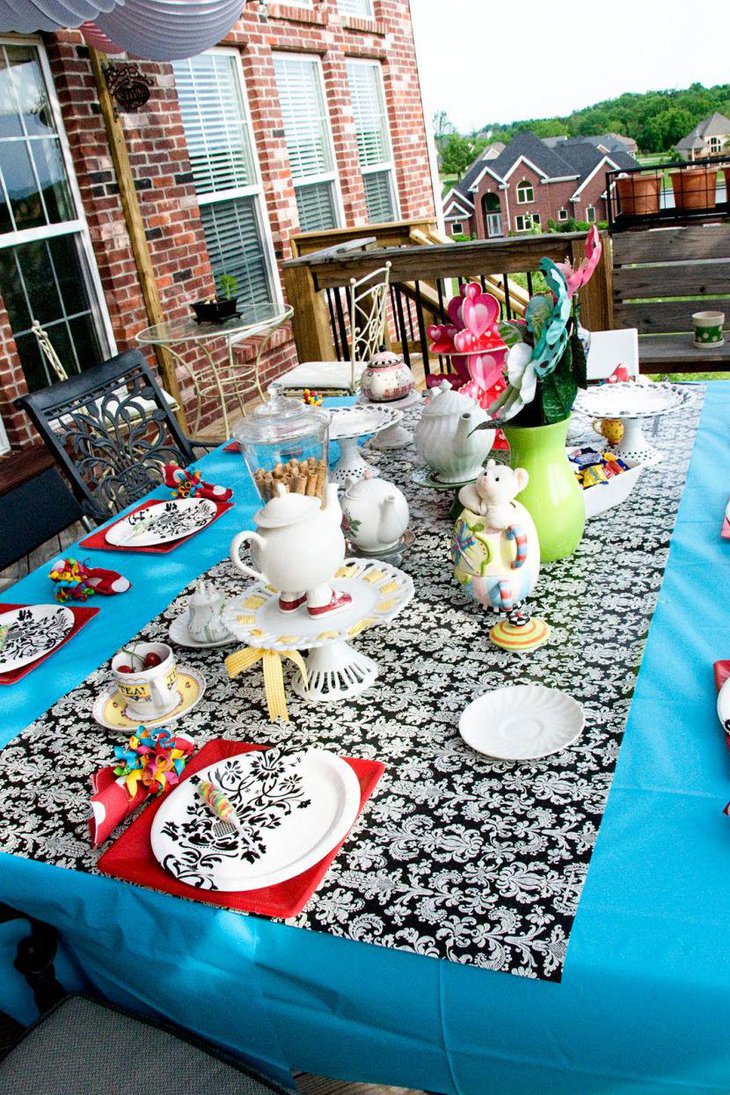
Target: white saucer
180, 635
525, 722
109, 708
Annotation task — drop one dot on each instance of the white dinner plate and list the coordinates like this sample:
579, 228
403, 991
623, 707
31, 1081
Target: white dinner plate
525, 722
294, 807
32, 632
361, 419
162, 522
723, 703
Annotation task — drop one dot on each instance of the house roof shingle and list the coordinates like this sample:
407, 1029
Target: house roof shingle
716, 125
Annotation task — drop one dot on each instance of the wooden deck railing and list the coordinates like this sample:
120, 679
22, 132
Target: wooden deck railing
424, 276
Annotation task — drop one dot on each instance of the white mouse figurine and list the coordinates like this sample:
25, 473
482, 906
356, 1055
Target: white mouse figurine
492, 494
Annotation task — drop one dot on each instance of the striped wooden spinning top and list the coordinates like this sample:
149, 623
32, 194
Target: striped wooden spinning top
520, 636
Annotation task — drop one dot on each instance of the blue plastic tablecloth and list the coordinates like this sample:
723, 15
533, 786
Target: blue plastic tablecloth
645, 994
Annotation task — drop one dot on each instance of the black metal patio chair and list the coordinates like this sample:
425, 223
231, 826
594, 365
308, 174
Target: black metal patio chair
83, 1046
110, 429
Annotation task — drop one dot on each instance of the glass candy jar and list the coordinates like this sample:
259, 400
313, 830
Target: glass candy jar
285, 443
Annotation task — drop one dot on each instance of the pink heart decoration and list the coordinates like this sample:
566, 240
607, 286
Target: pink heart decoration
471, 291
486, 369
480, 313
453, 309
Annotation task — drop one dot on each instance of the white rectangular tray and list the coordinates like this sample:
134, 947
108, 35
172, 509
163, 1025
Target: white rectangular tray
604, 496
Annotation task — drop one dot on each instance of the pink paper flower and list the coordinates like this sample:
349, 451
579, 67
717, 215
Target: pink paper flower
576, 279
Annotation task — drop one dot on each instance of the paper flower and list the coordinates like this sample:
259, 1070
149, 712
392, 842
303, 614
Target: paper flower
577, 278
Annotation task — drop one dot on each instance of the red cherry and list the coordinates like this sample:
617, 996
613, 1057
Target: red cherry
151, 660
124, 669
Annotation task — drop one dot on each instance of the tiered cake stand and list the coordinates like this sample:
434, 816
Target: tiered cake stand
633, 402
335, 670
347, 426
395, 436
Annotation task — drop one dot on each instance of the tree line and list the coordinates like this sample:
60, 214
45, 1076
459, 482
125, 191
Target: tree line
655, 119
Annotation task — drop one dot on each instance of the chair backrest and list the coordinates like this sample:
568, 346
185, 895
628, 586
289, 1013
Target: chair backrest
609, 349
111, 430
34, 512
368, 301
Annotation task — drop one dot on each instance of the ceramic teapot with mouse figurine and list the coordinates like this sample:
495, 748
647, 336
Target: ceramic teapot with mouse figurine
495, 549
299, 546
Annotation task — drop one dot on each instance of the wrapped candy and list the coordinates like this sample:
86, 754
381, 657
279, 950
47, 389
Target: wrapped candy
77, 581
190, 484
217, 801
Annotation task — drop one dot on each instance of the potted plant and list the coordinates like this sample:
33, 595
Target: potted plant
224, 304
546, 364
694, 187
639, 194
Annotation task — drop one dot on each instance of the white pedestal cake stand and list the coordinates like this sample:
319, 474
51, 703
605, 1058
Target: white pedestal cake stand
395, 436
347, 426
335, 670
632, 403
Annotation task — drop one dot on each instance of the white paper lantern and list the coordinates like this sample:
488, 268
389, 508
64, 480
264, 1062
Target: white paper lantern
96, 38
25, 16
168, 30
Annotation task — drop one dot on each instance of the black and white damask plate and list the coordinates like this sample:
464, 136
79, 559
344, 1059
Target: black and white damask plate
32, 631
162, 523
292, 806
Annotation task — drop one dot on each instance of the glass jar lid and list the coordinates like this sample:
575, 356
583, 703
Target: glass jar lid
281, 419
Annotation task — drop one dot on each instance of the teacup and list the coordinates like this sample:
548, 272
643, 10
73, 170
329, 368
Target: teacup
149, 693
708, 328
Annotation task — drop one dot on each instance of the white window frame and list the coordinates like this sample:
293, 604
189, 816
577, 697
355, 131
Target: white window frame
591, 209
328, 176
528, 221
457, 228
562, 214
356, 15
254, 190
714, 144
78, 226
297, 4
525, 183
386, 165
536, 219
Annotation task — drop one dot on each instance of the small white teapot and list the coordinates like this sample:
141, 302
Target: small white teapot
299, 547
375, 514
204, 614
386, 377
445, 436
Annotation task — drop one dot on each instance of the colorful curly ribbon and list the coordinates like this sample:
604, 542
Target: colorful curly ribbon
154, 758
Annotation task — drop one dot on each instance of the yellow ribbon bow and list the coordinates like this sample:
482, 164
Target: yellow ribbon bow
273, 674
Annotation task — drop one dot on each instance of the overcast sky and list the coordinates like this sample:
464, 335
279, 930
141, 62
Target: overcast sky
503, 60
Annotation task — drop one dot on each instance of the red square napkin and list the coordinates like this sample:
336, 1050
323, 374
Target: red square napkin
232, 446
725, 531
98, 542
81, 617
131, 856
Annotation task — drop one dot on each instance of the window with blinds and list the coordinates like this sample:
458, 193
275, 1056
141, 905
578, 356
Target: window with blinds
373, 139
363, 9
227, 180
308, 140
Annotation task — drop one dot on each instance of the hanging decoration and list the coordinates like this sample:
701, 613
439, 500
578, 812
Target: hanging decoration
129, 88
168, 30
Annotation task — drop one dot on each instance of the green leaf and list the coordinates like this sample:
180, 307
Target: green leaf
559, 390
510, 333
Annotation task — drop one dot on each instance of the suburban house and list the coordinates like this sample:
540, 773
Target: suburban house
532, 181
307, 117
710, 137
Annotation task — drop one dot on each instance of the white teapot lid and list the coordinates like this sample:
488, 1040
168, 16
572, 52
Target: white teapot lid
286, 509
444, 401
362, 488
384, 358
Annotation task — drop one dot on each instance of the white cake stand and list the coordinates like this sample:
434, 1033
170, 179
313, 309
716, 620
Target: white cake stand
633, 402
335, 670
347, 426
395, 436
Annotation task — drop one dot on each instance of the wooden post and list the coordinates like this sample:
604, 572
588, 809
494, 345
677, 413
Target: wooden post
135, 226
596, 298
310, 322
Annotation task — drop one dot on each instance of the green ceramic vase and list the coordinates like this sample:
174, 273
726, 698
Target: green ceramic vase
552, 497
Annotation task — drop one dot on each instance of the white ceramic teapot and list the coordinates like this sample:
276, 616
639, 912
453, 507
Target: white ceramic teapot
204, 614
375, 514
445, 439
386, 377
299, 547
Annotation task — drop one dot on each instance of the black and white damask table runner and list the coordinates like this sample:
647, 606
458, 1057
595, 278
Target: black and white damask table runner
456, 856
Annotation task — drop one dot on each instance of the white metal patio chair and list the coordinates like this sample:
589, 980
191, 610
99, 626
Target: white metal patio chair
368, 299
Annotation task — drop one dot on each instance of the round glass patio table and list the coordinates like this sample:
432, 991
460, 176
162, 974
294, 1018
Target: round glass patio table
224, 379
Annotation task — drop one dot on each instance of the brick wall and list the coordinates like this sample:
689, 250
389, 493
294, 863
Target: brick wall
161, 168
